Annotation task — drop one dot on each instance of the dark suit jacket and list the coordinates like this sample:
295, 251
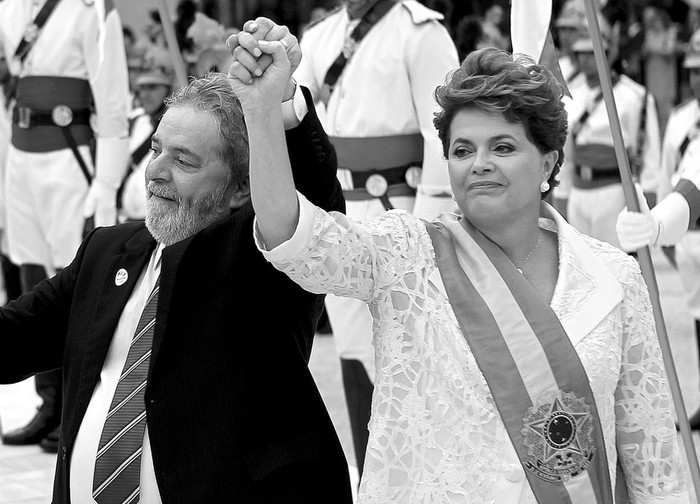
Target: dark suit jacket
233, 412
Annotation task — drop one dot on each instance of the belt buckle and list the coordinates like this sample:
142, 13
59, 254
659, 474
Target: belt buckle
62, 115
413, 176
586, 173
376, 185
24, 117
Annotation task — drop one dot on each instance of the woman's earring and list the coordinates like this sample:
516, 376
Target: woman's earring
544, 186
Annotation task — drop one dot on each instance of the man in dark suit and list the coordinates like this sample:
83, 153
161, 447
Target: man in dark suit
154, 326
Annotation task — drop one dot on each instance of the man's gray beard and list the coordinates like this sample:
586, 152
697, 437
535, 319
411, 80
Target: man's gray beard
169, 227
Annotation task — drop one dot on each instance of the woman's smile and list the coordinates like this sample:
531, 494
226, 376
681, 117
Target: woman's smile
485, 186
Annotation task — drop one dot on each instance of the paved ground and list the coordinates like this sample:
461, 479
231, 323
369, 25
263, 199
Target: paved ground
26, 473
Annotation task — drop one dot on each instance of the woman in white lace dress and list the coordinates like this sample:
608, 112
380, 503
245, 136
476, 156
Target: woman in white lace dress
517, 359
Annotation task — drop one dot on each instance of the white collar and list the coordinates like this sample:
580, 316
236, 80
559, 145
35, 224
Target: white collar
158, 255
585, 281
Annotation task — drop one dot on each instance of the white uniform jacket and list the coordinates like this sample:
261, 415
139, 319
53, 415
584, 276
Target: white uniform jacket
435, 434
682, 124
74, 42
387, 85
134, 188
629, 97
5, 132
386, 89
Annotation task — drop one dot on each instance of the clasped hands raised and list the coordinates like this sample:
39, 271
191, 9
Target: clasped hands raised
264, 57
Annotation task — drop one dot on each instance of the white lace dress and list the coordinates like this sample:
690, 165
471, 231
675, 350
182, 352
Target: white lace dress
435, 434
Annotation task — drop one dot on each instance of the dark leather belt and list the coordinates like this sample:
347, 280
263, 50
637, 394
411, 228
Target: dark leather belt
390, 175
588, 177
589, 173
60, 115
399, 181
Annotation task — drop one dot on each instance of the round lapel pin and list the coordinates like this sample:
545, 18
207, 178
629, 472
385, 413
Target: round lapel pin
121, 277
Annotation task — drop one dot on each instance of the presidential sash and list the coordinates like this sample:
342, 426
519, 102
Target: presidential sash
537, 381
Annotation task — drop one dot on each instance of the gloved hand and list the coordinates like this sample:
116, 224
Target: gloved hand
637, 229
101, 200
101, 203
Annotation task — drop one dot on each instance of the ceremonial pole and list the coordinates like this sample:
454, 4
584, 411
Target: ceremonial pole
173, 46
643, 254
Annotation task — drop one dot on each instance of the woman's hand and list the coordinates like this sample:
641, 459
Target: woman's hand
260, 76
265, 55
265, 29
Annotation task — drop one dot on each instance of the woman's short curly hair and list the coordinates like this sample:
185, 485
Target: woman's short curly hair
493, 80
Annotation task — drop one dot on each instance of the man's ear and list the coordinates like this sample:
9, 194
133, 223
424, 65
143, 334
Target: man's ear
240, 194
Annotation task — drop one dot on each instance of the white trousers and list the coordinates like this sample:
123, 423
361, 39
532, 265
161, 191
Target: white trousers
594, 211
45, 201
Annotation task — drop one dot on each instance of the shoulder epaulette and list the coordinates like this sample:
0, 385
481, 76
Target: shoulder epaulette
322, 18
420, 13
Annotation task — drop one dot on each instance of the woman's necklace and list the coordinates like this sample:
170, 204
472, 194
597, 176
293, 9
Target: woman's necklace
520, 269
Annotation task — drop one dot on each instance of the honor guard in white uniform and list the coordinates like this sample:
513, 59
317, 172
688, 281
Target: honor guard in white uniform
571, 20
679, 197
375, 64
590, 179
152, 87
72, 93
10, 271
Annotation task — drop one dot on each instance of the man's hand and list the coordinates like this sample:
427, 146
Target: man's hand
246, 51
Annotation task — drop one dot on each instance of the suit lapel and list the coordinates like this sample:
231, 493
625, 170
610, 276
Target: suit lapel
111, 301
238, 224
170, 262
121, 273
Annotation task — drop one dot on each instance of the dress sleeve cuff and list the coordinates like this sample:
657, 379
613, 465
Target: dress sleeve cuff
298, 242
294, 110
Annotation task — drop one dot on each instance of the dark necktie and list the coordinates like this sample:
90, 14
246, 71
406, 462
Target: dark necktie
118, 464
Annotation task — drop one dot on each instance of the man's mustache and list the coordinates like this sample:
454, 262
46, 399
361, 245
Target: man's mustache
161, 191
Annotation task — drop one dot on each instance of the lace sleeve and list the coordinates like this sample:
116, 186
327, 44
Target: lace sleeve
357, 259
646, 437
